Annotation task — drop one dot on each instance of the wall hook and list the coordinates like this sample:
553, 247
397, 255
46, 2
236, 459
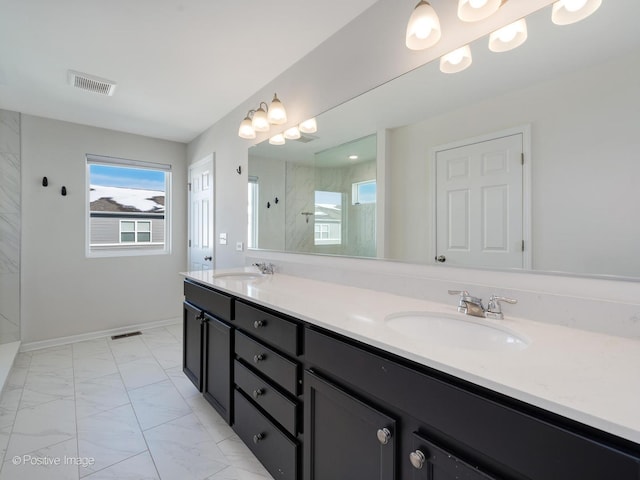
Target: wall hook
45, 181
239, 170
276, 200
64, 191
268, 205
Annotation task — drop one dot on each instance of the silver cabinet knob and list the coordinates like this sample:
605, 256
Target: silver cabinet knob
258, 392
258, 437
384, 435
258, 358
259, 323
417, 459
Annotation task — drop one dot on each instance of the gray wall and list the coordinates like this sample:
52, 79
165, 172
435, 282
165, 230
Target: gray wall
10, 223
63, 292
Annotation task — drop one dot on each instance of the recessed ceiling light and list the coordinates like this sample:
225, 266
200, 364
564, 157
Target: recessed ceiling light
353, 157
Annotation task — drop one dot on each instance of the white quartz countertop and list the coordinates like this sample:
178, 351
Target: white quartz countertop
589, 377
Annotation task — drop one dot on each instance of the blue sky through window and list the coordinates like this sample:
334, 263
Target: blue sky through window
127, 177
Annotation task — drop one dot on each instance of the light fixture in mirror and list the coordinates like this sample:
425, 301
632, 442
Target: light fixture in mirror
423, 29
309, 126
476, 10
565, 12
277, 139
508, 37
292, 133
456, 61
583, 169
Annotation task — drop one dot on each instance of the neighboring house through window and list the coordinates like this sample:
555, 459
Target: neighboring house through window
128, 205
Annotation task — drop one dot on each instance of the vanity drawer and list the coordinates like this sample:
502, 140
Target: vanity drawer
277, 452
275, 330
281, 370
279, 406
217, 304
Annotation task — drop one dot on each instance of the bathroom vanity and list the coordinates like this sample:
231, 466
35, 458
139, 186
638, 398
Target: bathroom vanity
321, 388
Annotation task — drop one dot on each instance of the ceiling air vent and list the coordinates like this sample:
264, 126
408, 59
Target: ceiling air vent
91, 83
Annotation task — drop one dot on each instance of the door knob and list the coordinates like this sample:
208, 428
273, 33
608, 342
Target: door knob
384, 435
417, 459
208, 258
441, 258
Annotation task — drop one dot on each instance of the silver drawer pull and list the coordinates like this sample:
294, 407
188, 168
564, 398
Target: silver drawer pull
258, 392
258, 437
258, 358
417, 459
384, 435
259, 323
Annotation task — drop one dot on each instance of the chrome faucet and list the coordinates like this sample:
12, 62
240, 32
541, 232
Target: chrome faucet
265, 268
470, 305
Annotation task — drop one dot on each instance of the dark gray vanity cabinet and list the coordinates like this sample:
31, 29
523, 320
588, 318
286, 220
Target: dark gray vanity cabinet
267, 377
208, 345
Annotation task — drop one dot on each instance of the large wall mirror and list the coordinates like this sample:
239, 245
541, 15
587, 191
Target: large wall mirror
573, 91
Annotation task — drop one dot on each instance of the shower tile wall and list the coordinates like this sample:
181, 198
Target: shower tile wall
9, 226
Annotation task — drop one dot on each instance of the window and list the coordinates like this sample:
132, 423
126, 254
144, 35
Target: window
135, 231
328, 218
363, 192
128, 206
252, 240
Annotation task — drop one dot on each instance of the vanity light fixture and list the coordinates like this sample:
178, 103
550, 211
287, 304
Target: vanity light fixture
309, 126
277, 139
292, 133
456, 61
475, 10
566, 12
260, 122
423, 29
276, 115
508, 37
246, 128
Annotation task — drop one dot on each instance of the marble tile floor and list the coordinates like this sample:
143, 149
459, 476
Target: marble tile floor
115, 409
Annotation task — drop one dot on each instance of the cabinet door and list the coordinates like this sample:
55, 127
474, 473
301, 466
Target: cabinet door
192, 344
217, 376
428, 461
345, 439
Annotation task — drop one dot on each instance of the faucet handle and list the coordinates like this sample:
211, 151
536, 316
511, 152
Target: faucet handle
494, 307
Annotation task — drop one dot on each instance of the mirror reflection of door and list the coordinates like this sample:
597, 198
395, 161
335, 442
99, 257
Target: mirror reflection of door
201, 215
479, 204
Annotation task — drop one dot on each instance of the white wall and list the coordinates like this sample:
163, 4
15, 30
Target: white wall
63, 292
584, 165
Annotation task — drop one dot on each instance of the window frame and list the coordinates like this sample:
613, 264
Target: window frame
129, 249
355, 192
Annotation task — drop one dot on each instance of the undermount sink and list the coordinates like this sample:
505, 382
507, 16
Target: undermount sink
455, 331
238, 276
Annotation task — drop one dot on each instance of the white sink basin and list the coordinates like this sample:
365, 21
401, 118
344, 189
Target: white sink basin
456, 331
238, 276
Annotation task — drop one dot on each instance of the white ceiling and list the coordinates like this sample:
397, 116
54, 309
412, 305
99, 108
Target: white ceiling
180, 65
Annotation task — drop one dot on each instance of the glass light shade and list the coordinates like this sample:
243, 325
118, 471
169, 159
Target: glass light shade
277, 114
277, 139
566, 12
246, 129
292, 133
309, 126
456, 61
423, 29
475, 10
509, 37
260, 123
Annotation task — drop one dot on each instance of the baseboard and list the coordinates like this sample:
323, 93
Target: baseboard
55, 342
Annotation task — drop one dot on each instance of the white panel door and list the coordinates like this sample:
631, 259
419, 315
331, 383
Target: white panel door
201, 197
479, 204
